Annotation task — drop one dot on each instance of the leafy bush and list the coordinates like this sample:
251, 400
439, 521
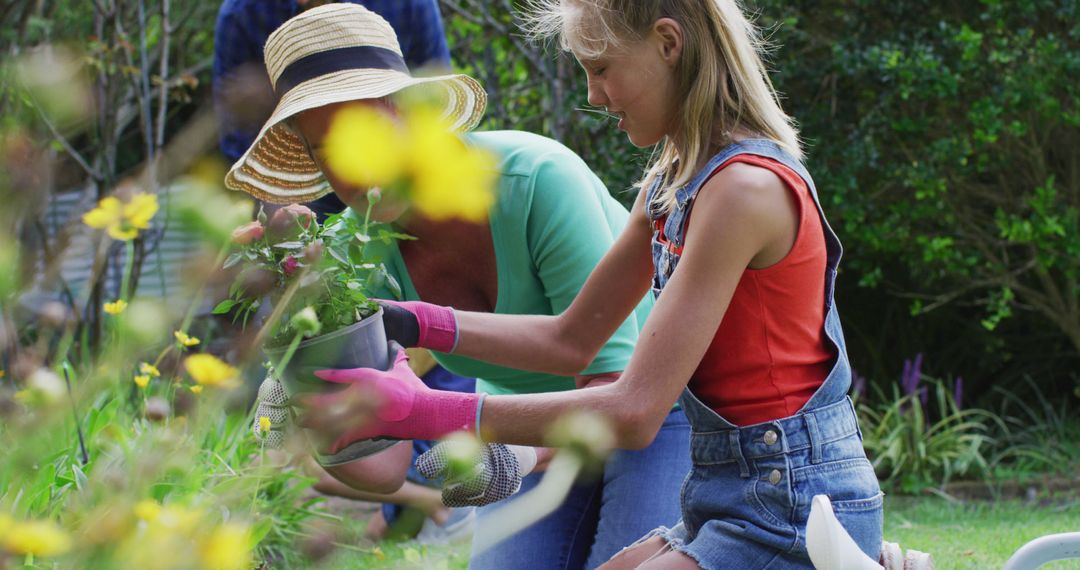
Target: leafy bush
920, 438
941, 139
1036, 434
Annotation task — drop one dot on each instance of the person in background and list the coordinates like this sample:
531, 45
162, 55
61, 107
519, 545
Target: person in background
243, 100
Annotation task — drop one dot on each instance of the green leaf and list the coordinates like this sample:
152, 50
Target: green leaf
394, 286
224, 307
232, 260
338, 255
81, 482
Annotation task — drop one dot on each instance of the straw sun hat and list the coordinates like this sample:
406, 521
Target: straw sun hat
331, 54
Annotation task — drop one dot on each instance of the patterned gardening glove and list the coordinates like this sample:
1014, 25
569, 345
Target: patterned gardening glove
272, 405
496, 477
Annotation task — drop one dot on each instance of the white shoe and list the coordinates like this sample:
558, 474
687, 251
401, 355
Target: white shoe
892, 557
829, 545
915, 560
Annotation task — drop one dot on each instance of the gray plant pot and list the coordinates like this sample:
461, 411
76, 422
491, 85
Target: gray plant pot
360, 345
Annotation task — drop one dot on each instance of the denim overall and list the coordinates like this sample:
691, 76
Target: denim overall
747, 498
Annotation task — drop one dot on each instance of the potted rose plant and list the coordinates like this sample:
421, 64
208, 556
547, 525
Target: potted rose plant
314, 278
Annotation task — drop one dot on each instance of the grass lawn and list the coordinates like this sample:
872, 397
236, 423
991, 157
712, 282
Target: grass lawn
979, 534
972, 535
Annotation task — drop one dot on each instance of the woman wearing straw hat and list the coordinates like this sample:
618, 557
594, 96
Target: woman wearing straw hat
552, 222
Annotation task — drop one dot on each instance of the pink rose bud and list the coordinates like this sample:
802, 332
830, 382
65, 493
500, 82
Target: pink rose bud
287, 223
248, 233
289, 265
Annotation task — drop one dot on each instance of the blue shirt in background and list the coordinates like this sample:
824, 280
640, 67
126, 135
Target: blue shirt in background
244, 25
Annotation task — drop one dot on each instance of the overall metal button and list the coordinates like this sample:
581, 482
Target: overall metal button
770, 437
775, 476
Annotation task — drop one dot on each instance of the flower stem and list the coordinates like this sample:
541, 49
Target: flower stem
289, 352
279, 308
129, 266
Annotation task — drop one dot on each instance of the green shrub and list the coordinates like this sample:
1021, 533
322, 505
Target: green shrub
1036, 434
942, 138
915, 446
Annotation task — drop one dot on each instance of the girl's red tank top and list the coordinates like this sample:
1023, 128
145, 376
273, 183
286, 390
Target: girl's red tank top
770, 353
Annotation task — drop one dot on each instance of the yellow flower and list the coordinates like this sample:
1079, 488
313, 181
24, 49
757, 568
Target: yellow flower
116, 307
365, 147
184, 339
450, 179
264, 425
174, 517
123, 220
208, 370
227, 548
196, 389
149, 369
40, 538
2, 373
147, 510
142, 380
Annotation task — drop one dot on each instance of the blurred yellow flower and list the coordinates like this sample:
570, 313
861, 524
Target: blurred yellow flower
264, 425
147, 510
450, 179
227, 548
184, 339
40, 538
208, 370
43, 387
123, 220
196, 389
142, 380
2, 373
149, 369
364, 147
116, 307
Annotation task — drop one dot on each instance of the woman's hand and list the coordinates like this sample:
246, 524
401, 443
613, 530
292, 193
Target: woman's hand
496, 475
391, 404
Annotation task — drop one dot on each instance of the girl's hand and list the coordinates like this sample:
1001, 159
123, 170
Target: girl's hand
419, 324
390, 404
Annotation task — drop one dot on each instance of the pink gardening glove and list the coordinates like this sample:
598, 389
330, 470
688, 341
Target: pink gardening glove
415, 323
393, 404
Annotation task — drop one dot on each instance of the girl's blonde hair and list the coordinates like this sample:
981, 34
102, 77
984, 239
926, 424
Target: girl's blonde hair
721, 78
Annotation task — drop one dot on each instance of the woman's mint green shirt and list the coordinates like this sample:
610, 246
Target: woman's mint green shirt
552, 223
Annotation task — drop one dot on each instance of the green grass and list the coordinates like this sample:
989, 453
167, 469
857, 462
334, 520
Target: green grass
977, 535
405, 555
972, 535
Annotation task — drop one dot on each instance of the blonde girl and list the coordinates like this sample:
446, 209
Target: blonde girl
728, 233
